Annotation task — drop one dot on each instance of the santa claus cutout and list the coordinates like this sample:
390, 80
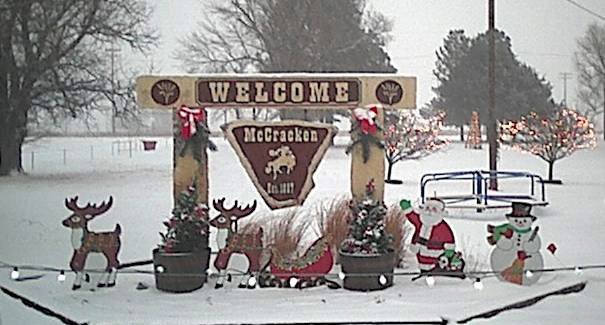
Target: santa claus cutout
433, 239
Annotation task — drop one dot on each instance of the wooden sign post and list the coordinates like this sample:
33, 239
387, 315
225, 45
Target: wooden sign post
304, 91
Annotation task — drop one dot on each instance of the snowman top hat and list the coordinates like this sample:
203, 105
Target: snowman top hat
521, 210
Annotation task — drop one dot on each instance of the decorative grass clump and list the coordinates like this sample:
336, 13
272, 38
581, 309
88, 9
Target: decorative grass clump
332, 218
396, 226
285, 233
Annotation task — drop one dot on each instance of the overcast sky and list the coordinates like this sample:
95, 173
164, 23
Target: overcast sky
543, 33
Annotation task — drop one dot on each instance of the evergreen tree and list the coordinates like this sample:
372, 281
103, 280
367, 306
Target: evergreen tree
367, 233
187, 228
461, 70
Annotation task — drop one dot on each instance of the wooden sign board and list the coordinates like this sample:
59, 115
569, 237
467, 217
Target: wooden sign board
280, 157
278, 91
308, 91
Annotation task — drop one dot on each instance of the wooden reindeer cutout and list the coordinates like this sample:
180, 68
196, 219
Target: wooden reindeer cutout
86, 242
230, 241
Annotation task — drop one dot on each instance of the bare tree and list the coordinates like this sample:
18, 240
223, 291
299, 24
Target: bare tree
551, 136
590, 66
52, 59
410, 137
288, 36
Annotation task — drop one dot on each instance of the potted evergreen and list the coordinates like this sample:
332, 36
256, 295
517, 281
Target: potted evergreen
366, 255
182, 258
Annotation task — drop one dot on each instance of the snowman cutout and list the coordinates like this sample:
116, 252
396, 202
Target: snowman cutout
517, 247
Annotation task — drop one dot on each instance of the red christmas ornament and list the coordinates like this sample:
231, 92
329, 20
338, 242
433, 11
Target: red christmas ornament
552, 248
190, 117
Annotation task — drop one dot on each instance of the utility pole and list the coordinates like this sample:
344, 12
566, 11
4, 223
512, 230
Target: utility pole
565, 76
114, 110
492, 126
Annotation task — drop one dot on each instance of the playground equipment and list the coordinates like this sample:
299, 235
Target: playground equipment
482, 197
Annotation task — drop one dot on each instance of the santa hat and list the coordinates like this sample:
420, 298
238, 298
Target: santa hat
374, 109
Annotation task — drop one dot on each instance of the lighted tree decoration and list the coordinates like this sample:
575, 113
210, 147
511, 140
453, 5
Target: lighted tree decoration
550, 137
409, 137
473, 139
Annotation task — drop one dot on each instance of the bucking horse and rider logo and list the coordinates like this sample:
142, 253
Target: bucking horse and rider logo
284, 161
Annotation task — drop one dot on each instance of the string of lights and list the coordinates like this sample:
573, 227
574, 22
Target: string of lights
475, 276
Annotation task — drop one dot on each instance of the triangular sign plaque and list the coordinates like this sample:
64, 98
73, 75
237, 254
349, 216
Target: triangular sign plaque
280, 157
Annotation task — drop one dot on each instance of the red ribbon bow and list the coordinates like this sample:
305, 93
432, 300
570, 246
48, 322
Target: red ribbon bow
190, 117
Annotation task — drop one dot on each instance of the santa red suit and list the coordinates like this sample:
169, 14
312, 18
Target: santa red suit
429, 241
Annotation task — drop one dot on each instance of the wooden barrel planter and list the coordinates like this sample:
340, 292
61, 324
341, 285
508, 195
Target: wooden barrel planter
149, 145
357, 267
180, 272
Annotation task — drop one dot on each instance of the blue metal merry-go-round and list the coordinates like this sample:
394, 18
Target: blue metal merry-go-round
481, 197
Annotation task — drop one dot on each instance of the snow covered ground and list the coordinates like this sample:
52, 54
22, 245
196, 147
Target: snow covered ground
31, 211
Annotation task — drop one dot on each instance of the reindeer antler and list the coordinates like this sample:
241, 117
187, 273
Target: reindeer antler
72, 204
89, 209
235, 211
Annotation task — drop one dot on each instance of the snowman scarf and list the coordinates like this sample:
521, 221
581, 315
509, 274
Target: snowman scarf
505, 229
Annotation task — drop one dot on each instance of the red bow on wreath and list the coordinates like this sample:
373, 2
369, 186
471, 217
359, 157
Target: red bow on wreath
190, 117
366, 117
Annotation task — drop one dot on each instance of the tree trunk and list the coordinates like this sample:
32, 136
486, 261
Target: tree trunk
550, 168
13, 130
10, 148
603, 109
461, 132
390, 169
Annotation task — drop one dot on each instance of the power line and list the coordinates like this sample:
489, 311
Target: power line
586, 9
565, 76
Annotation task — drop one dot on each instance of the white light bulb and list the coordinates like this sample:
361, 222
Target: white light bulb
15, 274
252, 282
341, 275
293, 282
61, 277
478, 284
382, 279
430, 281
159, 269
529, 273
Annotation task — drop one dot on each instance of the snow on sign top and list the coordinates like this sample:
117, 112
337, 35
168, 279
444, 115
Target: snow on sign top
313, 91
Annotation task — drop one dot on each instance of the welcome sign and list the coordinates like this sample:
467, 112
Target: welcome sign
305, 91
278, 92
280, 157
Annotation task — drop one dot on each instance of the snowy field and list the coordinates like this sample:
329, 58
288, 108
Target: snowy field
31, 211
